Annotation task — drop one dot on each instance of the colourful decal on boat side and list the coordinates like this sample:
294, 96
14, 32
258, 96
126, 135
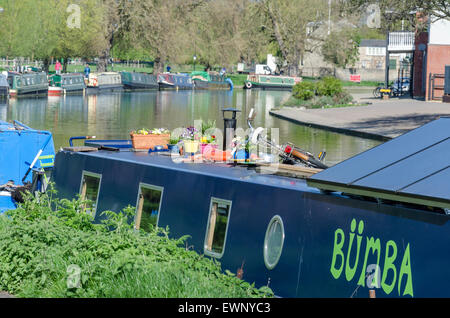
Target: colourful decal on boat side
373, 245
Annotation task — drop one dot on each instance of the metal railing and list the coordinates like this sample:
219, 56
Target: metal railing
401, 41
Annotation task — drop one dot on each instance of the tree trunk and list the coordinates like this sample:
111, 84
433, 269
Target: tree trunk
46, 65
277, 31
158, 66
64, 70
102, 65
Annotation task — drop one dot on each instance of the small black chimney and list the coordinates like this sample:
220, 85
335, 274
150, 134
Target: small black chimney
229, 126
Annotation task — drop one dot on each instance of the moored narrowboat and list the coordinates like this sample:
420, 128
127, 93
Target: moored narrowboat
271, 82
210, 80
27, 84
104, 82
376, 223
26, 158
139, 81
4, 87
62, 84
170, 81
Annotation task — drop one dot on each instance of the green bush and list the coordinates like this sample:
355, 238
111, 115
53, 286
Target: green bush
329, 86
342, 98
304, 90
59, 253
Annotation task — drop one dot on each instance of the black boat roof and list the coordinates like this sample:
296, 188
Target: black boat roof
412, 168
241, 172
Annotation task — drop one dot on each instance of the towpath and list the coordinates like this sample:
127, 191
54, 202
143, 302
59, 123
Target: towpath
380, 120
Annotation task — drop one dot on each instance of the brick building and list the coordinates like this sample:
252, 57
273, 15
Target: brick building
432, 54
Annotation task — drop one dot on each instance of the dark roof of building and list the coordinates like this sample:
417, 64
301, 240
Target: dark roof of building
372, 43
413, 168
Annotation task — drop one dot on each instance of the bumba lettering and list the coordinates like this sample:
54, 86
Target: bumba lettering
349, 259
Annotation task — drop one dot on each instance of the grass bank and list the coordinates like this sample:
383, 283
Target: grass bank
58, 252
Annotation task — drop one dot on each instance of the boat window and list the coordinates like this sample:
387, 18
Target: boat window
273, 242
216, 233
90, 189
147, 207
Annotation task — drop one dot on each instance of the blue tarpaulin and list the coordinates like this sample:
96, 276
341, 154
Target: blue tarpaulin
19, 146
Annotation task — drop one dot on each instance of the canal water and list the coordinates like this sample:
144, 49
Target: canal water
113, 116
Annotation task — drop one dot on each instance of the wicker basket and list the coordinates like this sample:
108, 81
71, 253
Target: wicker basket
149, 141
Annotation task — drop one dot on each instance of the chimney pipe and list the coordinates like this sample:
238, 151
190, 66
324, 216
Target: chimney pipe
229, 126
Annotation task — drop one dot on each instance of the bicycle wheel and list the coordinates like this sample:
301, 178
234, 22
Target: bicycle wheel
377, 93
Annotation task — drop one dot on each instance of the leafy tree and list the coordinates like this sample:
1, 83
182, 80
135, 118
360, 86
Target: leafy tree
158, 27
288, 21
341, 48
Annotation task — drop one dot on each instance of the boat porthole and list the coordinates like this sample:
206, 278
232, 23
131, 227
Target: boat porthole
273, 242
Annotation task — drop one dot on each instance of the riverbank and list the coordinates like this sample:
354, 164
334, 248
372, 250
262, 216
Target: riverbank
380, 120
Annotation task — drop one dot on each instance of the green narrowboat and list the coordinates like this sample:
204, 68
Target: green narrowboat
139, 81
70, 83
210, 80
271, 82
27, 84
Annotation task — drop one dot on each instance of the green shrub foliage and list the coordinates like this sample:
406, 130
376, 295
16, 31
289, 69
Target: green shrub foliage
304, 90
329, 86
325, 92
51, 248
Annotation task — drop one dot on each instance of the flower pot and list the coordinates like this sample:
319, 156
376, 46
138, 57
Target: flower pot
190, 146
174, 148
149, 141
208, 147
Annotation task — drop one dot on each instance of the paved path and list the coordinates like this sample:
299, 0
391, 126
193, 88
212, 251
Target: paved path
5, 295
381, 120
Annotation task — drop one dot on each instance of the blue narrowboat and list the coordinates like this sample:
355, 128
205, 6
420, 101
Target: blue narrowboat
376, 223
26, 158
170, 81
139, 81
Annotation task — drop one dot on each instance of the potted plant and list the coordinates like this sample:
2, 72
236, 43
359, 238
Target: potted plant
150, 138
208, 142
191, 139
173, 144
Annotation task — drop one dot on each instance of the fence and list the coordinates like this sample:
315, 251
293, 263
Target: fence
401, 41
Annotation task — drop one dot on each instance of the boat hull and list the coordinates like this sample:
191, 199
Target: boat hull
255, 85
104, 89
329, 241
140, 86
199, 84
168, 86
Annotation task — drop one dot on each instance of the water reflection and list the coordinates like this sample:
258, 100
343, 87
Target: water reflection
115, 115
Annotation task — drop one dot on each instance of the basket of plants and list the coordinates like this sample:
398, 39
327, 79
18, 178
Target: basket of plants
150, 138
